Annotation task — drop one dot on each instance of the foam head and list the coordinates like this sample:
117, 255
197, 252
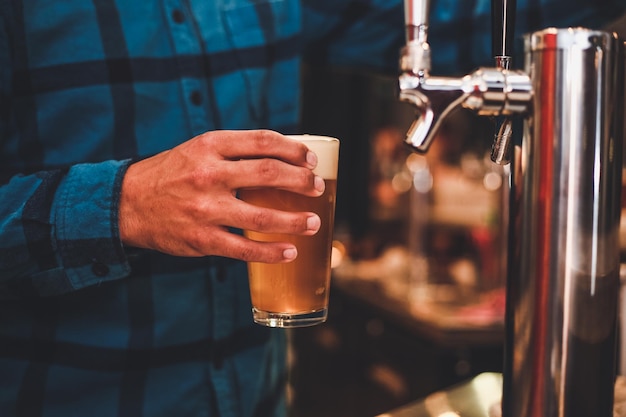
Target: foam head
327, 150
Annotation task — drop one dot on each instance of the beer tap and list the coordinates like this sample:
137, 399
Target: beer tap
503, 26
487, 91
563, 263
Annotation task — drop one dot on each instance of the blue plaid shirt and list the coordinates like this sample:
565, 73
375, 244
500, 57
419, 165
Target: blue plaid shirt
91, 328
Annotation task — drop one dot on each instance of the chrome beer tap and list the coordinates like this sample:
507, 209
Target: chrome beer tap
503, 31
487, 91
564, 207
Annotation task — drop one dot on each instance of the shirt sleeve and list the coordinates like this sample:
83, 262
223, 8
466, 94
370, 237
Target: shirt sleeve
59, 230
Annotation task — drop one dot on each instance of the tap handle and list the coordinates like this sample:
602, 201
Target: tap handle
416, 20
503, 33
503, 27
415, 12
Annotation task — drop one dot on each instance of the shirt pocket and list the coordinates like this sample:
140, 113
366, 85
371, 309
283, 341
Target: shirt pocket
264, 35
252, 23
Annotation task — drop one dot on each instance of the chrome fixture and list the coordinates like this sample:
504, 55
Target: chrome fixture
564, 211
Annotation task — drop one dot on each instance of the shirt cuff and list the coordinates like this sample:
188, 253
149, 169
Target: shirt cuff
86, 224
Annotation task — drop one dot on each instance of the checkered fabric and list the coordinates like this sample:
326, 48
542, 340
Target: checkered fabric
91, 328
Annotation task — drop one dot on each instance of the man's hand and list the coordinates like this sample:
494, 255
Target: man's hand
183, 200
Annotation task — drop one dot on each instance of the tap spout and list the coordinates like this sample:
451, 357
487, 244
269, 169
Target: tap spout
486, 91
433, 98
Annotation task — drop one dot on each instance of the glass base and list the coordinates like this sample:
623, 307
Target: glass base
286, 320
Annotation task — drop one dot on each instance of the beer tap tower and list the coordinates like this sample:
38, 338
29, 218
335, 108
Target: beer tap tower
564, 210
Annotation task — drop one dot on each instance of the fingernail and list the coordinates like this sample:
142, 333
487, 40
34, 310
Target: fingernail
290, 254
313, 223
319, 184
311, 159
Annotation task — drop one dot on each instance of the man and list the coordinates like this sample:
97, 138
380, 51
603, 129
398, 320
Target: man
122, 286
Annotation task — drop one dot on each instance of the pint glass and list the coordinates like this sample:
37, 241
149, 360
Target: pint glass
295, 294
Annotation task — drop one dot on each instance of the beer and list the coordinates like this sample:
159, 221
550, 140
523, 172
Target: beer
296, 293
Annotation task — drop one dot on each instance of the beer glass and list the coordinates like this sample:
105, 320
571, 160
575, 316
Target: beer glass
295, 294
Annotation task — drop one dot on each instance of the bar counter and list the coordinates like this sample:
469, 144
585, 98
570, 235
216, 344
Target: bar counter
383, 284
381, 348
479, 397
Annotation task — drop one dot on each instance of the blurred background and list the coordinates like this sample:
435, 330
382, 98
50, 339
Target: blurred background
417, 298
419, 261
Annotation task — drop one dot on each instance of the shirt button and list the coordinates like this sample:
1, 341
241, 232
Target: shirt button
178, 16
196, 98
99, 269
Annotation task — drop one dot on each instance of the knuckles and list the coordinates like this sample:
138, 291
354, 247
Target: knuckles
265, 140
268, 170
246, 254
261, 220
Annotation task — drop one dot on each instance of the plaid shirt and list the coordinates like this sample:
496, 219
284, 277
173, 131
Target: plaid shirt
91, 328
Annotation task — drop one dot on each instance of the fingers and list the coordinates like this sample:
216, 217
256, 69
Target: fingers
238, 247
183, 200
271, 173
259, 158
207, 239
259, 219
222, 242
257, 144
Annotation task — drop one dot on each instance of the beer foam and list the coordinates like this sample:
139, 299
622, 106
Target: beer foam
327, 150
